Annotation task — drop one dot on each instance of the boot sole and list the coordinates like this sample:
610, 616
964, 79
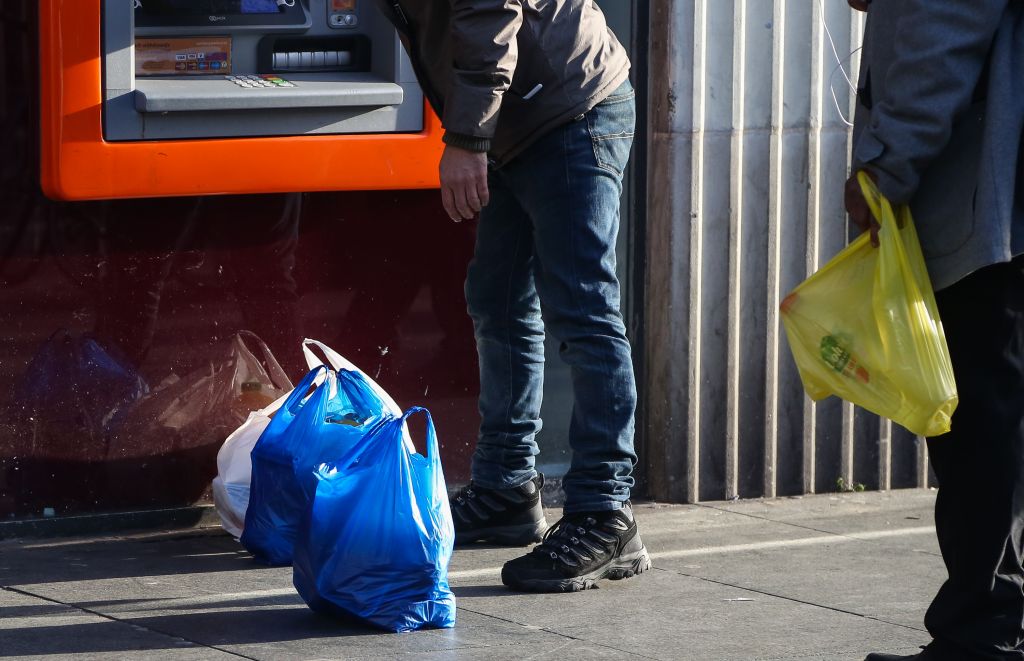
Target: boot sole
519, 535
626, 566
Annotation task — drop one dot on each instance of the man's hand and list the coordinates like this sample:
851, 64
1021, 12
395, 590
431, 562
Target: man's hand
463, 183
860, 5
858, 208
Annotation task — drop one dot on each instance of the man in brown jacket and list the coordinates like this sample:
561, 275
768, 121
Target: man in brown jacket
538, 116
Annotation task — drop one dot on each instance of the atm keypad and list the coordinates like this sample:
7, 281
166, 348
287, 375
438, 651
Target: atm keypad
265, 81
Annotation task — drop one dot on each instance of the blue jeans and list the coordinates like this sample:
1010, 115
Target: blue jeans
545, 258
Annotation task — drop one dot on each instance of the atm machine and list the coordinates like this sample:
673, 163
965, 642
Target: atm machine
154, 98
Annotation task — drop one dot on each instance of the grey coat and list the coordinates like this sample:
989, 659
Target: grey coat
941, 122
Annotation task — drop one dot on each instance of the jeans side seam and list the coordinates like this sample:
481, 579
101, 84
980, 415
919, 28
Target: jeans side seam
605, 364
597, 139
508, 344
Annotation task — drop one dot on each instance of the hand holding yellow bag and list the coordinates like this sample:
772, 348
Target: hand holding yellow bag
865, 327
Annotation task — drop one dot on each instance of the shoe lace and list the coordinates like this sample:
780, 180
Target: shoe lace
465, 494
574, 541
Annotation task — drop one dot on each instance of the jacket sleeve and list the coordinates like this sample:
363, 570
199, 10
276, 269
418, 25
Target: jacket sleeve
484, 60
943, 47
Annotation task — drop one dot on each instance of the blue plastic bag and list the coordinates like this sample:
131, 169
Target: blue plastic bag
378, 536
304, 433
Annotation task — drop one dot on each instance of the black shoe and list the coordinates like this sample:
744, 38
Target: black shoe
580, 550
512, 517
937, 650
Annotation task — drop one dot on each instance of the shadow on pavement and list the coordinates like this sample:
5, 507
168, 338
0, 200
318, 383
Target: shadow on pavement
241, 626
195, 552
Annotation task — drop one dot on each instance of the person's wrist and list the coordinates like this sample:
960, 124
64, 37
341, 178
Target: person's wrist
467, 142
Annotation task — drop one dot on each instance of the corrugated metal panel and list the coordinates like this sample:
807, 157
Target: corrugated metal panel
748, 157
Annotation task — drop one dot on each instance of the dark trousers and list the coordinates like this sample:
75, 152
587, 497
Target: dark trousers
979, 514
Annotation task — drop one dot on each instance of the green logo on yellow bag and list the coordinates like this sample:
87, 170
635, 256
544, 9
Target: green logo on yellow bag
839, 358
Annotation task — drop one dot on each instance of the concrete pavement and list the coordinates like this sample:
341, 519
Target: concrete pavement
819, 577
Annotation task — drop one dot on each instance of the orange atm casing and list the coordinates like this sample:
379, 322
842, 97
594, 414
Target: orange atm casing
78, 164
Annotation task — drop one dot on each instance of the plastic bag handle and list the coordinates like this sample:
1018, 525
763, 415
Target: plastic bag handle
339, 362
274, 369
877, 203
355, 452
432, 449
271, 408
881, 209
297, 393
334, 359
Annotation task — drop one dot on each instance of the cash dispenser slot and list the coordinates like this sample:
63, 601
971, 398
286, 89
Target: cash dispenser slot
310, 54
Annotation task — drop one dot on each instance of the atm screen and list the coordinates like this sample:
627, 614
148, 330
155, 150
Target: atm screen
207, 7
158, 13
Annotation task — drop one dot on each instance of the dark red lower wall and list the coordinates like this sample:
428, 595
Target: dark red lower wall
102, 301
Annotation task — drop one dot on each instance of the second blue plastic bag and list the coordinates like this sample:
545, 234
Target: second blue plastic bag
378, 536
308, 430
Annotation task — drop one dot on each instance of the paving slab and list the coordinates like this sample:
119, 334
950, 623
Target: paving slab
857, 577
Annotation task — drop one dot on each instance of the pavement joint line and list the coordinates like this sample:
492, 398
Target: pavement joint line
144, 537
111, 618
568, 637
830, 538
787, 598
720, 508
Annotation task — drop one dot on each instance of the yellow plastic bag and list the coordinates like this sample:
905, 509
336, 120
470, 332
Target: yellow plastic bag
865, 327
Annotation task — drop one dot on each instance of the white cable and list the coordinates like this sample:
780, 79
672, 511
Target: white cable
840, 66
835, 99
835, 51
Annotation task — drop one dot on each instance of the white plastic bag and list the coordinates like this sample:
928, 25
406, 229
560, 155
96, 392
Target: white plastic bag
234, 469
